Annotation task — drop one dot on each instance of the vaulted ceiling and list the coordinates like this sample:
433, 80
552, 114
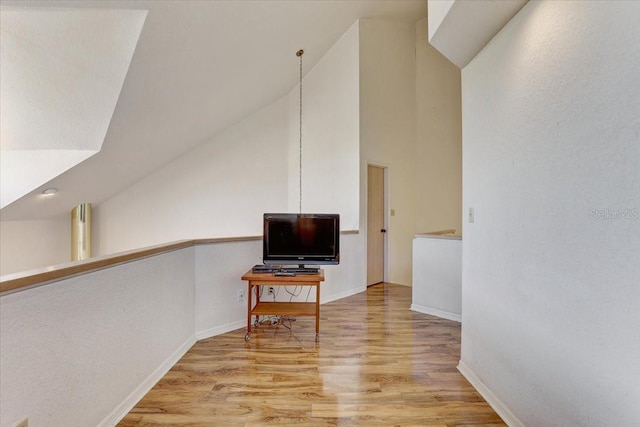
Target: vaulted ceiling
58, 96
197, 68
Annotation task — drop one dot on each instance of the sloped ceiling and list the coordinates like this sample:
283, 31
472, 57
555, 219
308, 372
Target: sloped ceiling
60, 81
460, 29
199, 67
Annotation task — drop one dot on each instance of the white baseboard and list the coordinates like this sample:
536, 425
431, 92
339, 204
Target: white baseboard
232, 326
222, 329
127, 405
342, 294
436, 312
501, 409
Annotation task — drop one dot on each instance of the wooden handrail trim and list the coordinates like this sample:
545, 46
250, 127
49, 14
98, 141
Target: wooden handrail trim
437, 237
13, 282
438, 233
23, 280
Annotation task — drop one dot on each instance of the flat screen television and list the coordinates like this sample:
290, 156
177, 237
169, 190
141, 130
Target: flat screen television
301, 239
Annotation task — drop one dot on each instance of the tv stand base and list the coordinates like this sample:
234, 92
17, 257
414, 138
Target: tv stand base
257, 308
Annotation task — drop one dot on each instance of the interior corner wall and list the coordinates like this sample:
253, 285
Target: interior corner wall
330, 135
551, 137
219, 189
438, 156
48, 242
388, 130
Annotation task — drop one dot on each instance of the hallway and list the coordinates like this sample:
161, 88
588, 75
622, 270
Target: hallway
376, 363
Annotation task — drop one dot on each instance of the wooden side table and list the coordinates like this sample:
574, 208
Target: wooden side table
263, 308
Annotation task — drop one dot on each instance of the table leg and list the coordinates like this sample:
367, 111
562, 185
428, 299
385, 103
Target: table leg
317, 310
249, 296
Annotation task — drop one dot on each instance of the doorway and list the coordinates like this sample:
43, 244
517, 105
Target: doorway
375, 224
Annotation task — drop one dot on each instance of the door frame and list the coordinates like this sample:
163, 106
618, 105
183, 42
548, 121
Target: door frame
386, 201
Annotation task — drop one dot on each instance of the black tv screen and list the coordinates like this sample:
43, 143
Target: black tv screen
290, 238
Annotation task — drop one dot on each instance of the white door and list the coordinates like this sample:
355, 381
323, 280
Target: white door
375, 225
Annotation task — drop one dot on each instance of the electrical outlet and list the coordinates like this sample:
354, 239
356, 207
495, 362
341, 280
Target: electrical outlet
241, 296
271, 291
23, 423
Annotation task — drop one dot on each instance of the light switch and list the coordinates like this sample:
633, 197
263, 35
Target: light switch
393, 212
471, 216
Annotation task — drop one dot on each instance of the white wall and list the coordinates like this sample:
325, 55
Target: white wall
438, 169
388, 129
219, 189
437, 276
219, 268
350, 277
551, 302
330, 135
25, 245
222, 187
75, 352
410, 123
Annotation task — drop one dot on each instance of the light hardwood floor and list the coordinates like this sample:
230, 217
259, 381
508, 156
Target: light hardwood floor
376, 364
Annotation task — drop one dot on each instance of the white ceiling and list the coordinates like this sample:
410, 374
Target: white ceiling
58, 96
460, 29
199, 67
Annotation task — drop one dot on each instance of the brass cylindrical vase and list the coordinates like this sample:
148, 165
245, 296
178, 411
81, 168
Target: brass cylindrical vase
81, 232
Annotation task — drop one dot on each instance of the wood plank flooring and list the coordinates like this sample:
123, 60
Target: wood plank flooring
376, 364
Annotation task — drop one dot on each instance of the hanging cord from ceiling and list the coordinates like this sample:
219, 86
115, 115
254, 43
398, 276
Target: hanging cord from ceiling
299, 55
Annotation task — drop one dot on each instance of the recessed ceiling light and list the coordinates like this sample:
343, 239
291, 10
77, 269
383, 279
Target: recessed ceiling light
50, 191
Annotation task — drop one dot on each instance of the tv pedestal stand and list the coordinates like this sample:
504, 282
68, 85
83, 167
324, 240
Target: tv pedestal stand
255, 307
